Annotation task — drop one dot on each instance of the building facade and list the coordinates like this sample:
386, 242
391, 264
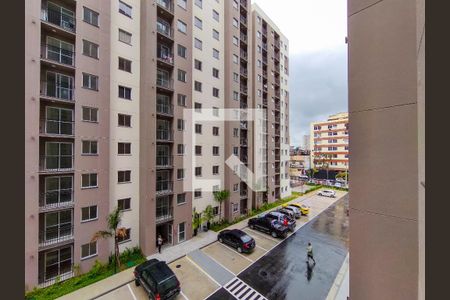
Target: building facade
329, 141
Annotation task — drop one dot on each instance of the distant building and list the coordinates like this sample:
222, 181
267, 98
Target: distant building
306, 142
299, 165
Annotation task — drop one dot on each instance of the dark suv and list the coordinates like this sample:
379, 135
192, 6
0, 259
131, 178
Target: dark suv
157, 279
283, 219
268, 225
237, 239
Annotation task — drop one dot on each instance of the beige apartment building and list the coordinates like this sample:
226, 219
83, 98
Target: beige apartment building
329, 142
108, 84
386, 72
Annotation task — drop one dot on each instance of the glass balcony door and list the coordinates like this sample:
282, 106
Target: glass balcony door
60, 51
58, 190
58, 225
58, 156
60, 86
58, 262
163, 78
61, 16
59, 121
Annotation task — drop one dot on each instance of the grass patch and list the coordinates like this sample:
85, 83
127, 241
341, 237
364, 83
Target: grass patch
128, 258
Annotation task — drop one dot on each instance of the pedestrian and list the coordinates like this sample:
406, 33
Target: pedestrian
160, 242
309, 250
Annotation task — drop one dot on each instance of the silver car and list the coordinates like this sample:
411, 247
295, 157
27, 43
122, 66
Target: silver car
297, 213
327, 193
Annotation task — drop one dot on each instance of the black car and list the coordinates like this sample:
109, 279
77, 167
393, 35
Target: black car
237, 239
268, 225
283, 219
157, 279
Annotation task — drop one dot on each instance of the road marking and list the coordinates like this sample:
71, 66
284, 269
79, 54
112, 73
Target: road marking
216, 290
269, 237
184, 296
235, 252
261, 248
217, 262
240, 290
131, 291
206, 273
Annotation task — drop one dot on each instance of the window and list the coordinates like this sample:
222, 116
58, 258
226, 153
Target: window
124, 64
181, 124
235, 59
215, 15
197, 193
215, 170
215, 131
90, 114
90, 16
215, 150
89, 148
181, 199
181, 100
198, 64
259, 63
181, 232
198, 107
124, 120
215, 210
236, 151
182, 51
125, 9
182, 27
182, 3
215, 111
198, 86
198, 150
198, 44
123, 176
235, 207
216, 92
235, 96
259, 78
89, 180
90, 81
199, 3
216, 34
198, 23
236, 132
124, 204
215, 73
216, 53
259, 49
180, 174
90, 49
198, 128
180, 149
125, 238
124, 92
235, 23
235, 187
198, 171
258, 34
182, 75
124, 148
124, 37
89, 250
89, 213
236, 77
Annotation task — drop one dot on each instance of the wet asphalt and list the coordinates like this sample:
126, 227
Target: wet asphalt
284, 273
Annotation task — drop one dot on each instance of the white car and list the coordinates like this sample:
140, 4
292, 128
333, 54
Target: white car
327, 193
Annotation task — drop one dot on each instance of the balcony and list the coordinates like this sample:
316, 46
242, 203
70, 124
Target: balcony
276, 44
164, 83
50, 277
277, 158
264, 46
56, 163
64, 57
264, 32
54, 91
164, 214
63, 233
164, 135
165, 8
244, 89
165, 58
277, 106
164, 187
164, 29
58, 128
244, 72
264, 60
58, 199
164, 109
244, 55
164, 162
264, 73
277, 119
243, 193
244, 125
243, 20
243, 38
60, 18
244, 142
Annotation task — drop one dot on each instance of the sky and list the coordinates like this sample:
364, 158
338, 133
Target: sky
316, 30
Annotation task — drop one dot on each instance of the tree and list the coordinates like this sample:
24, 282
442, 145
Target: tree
208, 215
196, 222
221, 196
113, 230
323, 160
311, 172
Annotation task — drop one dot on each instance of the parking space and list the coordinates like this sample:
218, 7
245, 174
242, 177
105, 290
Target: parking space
263, 240
227, 257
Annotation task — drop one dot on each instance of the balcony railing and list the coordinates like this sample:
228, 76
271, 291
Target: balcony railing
166, 83
164, 30
164, 214
277, 157
53, 90
57, 127
244, 71
244, 142
56, 199
56, 163
243, 20
165, 56
243, 193
244, 3
243, 125
164, 135
164, 187
277, 44
264, 32
264, 60
48, 278
165, 109
244, 54
244, 89
264, 46
58, 54
277, 106
265, 73
164, 161
166, 4
243, 37
52, 236
56, 17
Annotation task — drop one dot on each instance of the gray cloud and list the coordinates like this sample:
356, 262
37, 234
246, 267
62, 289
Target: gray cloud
318, 88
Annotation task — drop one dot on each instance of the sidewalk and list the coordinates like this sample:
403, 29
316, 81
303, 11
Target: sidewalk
341, 289
169, 254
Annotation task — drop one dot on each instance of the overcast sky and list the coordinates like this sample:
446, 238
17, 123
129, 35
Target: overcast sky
316, 30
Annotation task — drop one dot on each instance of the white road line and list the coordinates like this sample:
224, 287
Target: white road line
261, 248
217, 262
241, 290
184, 296
198, 267
213, 292
235, 252
268, 237
131, 291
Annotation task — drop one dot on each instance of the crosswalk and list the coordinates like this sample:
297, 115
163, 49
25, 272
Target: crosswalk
242, 291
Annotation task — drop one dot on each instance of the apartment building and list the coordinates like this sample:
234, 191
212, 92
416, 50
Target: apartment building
329, 143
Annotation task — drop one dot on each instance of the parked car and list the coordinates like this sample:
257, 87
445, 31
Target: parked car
286, 212
302, 207
296, 214
237, 239
157, 279
268, 225
283, 219
327, 193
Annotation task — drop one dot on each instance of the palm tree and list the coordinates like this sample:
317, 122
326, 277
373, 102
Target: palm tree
221, 196
324, 160
114, 219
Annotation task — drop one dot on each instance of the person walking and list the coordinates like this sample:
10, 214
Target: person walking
309, 250
160, 242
